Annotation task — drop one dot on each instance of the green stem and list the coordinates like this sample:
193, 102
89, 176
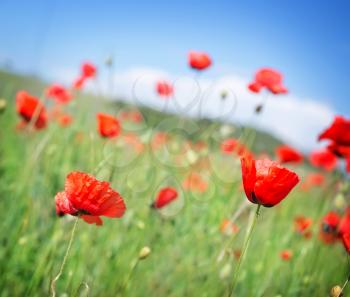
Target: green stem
128, 278
53, 283
346, 282
244, 250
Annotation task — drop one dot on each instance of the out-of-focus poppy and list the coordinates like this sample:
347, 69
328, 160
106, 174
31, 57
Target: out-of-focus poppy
159, 139
266, 182
59, 94
164, 197
132, 116
313, 179
228, 228
344, 225
338, 132
329, 227
21, 125
347, 167
199, 60
323, 159
88, 198
107, 125
341, 151
195, 182
232, 145
346, 242
302, 226
31, 109
64, 120
164, 89
287, 154
134, 141
56, 113
286, 255
88, 70
136, 116
79, 83
270, 79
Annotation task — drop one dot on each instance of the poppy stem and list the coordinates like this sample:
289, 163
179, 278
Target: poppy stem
244, 250
345, 284
131, 272
53, 283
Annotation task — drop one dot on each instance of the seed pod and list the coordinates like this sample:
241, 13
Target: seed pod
144, 252
336, 292
2, 105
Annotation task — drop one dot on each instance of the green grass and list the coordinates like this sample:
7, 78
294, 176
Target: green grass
185, 239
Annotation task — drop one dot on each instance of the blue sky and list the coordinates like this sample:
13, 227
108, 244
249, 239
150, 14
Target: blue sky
309, 41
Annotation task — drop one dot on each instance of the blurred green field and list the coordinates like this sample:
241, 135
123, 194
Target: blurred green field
190, 256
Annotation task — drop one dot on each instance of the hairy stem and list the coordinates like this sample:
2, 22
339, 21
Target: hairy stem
53, 283
244, 250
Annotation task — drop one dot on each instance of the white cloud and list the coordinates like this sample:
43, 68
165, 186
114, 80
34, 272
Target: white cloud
293, 119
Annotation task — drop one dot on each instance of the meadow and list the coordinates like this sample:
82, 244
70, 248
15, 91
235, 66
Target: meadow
191, 251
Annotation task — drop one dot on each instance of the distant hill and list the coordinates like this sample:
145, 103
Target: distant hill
11, 82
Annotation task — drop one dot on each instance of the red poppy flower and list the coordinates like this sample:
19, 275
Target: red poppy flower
286, 154
107, 125
344, 225
228, 228
231, 145
89, 198
64, 120
79, 83
270, 79
159, 139
88, 70
347, 167
266, 182
329, 227
164, 197
286, 255
134, 141
313, 179
59, 94
323, 159
164, 89
331, 221
29, 107
199, 60
136, 117
316, 179
346, 242
302, 225
195, 182
341, 151
338, 132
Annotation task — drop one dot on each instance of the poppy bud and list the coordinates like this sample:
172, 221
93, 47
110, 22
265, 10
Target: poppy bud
2, 105
223, 95
336, 292
109, 61
225, 271
144, 253
258, 108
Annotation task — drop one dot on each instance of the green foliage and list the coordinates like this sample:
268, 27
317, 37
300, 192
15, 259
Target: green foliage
189, 253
